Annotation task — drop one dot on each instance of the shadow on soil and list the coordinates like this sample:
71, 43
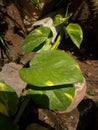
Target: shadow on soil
88, 48
88, 119
31, 115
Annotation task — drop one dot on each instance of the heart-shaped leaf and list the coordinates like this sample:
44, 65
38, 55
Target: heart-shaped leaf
36, 38
8, 100
75, 33
50, 68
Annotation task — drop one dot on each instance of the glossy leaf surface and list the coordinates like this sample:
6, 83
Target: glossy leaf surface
53, 98
50, 68
58, 20
75, 33
35, 39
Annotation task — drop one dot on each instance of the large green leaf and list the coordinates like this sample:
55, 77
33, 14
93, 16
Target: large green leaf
6, 123
75, 33
36, 38
53, 98
50, 68
8, 100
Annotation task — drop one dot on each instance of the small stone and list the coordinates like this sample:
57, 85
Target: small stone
10, 75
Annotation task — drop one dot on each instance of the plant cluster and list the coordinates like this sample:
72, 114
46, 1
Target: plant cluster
51, 74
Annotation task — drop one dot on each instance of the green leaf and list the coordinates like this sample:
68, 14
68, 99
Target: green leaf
75, 33
58, 20
53, 98
36, 38
46, 46
61, 20
8, 100
50, 68
6, 123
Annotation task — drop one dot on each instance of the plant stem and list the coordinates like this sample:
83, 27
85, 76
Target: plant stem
20, 112
58, 41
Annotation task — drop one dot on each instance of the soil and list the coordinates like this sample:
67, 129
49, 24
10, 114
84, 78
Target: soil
85, 116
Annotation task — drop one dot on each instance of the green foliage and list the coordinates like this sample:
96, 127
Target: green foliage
59, 20
73, 30
75, 33
42, 35
53, 98
58, 69
51, 74
36, 38
52, 80
8, 100
8, 106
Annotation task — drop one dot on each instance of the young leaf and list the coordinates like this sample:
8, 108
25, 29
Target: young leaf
8, 100
35, 39
58, 20
50, 68
53, 98
75, 33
